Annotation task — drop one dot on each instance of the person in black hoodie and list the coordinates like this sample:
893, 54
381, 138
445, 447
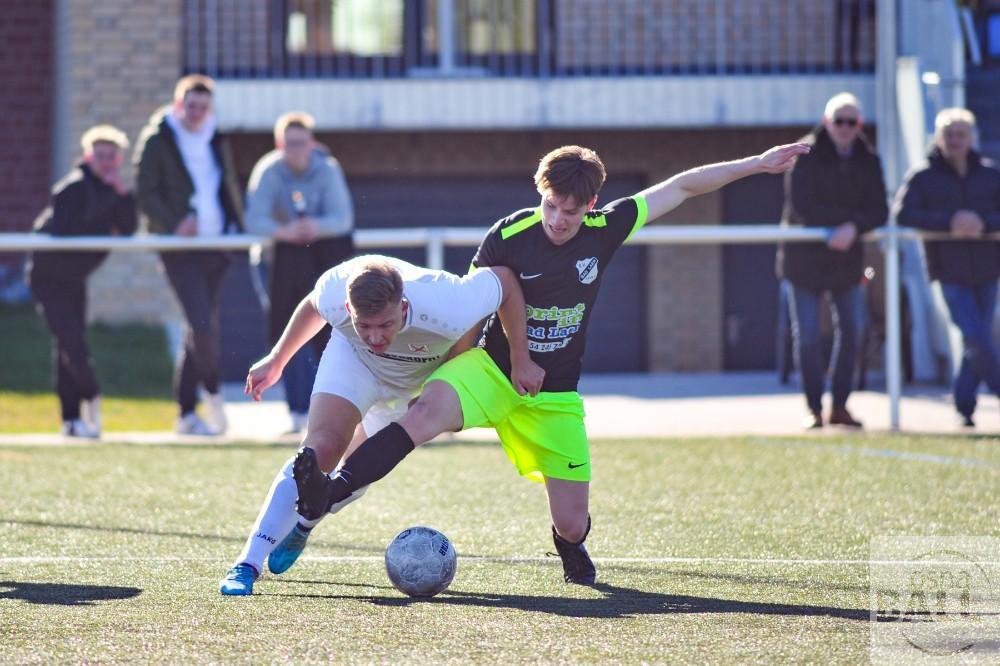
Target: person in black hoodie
91, 200
958, 192
186, 186
837, 186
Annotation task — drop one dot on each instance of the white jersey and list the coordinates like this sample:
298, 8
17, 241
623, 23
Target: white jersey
442, 307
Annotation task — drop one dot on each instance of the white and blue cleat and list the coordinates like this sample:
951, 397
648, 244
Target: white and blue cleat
239, 581
283, 557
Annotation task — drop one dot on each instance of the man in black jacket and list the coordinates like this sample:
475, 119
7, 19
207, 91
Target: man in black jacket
91, 200
837, 186
186, 184
958, 192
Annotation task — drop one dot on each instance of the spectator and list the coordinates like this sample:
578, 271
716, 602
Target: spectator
838, 186
91, 200
186, 185
297, 195
958, 192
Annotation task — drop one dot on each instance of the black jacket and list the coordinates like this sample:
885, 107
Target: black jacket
931, 194
82, 205
164, 186
824, 189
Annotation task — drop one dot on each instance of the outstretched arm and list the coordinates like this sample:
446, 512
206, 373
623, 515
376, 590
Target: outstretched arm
304, 324
671, 193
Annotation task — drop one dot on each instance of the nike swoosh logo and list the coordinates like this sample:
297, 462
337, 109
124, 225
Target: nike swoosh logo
572, 466
530, 277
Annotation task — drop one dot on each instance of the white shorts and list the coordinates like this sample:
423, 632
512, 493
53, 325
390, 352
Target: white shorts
342, 373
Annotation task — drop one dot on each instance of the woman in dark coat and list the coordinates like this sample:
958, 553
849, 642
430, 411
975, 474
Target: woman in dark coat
837, 186
91, 200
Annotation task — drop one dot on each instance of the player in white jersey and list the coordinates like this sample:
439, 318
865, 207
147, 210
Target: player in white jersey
393, 324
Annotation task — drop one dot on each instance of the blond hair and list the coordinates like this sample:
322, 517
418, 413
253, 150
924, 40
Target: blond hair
571, 171
299, 119
841, 101
373, 288
950, 116
103, 134
197, 83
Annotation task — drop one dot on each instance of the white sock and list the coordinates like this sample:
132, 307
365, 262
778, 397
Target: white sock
276, 519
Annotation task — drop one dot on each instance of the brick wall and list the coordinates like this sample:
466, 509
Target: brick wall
121, 60
705, 36
26, 63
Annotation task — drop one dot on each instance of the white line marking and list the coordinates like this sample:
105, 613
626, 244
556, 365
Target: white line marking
480, 558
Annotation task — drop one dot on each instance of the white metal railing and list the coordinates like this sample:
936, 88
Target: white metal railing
436, 239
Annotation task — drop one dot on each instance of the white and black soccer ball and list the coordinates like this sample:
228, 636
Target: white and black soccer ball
421, 562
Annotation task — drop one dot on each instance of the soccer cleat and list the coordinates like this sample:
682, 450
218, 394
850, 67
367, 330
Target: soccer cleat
315, 488
79, 428
216, 412
283, 557
577, 566
192, 424
239, 581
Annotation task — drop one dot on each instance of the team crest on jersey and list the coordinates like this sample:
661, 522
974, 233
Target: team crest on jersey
418, 349
587, 268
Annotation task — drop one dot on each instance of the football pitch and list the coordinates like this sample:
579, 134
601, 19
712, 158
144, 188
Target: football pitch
708, 550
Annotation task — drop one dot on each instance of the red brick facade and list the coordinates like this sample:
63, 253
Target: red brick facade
26, 76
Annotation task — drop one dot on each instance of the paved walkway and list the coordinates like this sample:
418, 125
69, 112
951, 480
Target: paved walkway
648, 405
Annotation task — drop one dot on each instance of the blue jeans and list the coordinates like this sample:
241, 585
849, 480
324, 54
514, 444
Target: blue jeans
971, 309
847, 318
298, 378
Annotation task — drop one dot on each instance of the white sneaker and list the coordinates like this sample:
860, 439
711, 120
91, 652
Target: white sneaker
215, 409
90, 413
299, 422
191, 424
79, 428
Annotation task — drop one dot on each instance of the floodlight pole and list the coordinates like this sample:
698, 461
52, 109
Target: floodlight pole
889, 141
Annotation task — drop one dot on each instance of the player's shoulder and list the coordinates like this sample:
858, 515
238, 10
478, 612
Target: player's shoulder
626, 207
520, 220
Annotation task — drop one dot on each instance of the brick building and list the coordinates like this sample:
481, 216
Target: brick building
445, 126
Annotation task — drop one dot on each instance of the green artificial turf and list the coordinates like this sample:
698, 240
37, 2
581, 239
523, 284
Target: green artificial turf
113, 553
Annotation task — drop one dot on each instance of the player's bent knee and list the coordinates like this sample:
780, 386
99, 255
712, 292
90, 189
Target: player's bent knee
437, 410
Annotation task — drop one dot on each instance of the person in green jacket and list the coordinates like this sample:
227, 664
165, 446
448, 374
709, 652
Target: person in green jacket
186, 186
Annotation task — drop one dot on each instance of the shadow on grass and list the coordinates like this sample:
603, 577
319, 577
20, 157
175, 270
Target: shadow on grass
166, 533
615, 602
62, 594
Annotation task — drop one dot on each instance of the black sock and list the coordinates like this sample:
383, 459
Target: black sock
375, 458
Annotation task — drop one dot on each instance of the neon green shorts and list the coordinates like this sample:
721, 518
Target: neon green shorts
543, 435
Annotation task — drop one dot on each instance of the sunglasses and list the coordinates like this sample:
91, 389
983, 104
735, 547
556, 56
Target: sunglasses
845, 122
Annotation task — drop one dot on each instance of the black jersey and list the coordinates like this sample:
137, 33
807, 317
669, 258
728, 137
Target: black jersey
560, 283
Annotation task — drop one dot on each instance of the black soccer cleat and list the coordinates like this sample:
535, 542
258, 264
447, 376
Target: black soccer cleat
315, 488
577, 566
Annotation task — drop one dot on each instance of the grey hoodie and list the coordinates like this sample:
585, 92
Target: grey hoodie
323, 188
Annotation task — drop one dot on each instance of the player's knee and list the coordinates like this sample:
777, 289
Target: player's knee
423, 422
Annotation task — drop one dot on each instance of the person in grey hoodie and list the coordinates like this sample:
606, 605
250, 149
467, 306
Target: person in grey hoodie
298, 196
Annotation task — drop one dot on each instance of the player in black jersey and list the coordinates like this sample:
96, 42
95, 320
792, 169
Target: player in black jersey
560, 252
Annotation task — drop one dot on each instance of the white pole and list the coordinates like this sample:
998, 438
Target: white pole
889, 139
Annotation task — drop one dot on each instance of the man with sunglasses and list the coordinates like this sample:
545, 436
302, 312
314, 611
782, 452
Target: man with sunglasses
838, 185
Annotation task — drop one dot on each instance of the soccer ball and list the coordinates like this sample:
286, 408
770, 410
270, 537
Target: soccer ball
420, 562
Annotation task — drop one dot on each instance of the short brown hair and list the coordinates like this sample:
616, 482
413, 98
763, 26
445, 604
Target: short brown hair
373, 288
571, 171
299, 119
198, 83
